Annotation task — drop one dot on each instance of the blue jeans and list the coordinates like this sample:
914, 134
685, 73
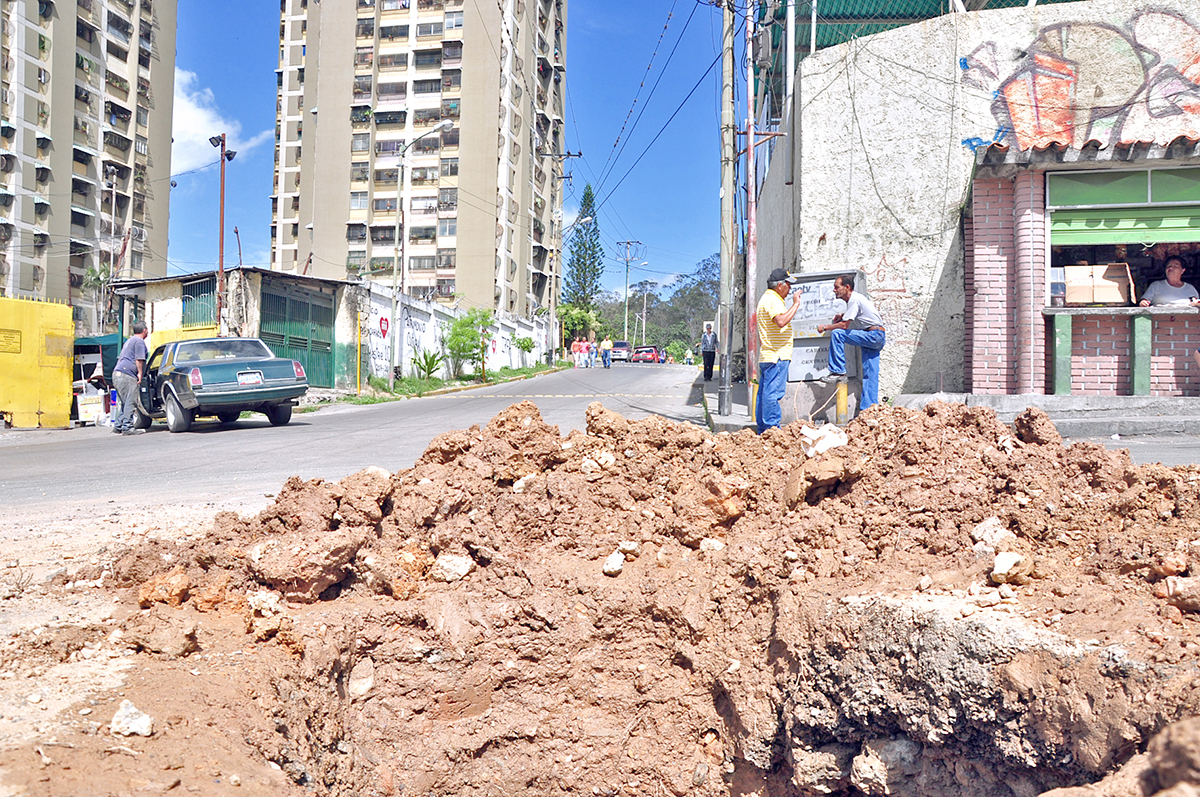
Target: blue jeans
606, 357
772, 385
869, 342
127, 387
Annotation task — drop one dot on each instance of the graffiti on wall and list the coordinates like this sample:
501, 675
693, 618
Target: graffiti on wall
898, 308
1081, 83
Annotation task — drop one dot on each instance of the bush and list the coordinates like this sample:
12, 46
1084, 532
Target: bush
467, 338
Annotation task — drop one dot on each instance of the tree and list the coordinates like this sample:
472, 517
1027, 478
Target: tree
95, 284
585, 267
577, 321
467, 339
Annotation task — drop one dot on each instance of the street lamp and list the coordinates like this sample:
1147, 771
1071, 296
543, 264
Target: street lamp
562, 234
226, 155
397, 260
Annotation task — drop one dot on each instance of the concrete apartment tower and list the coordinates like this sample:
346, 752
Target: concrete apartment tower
479, 202
85, 147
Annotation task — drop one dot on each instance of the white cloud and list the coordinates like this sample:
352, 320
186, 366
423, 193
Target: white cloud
195, 119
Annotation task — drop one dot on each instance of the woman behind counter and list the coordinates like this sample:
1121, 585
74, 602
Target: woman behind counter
1172, 290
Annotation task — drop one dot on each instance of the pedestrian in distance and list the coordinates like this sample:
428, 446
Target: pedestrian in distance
708, 351
859, 325
606, 351
577, 352
592, 351
774, 348
127, 375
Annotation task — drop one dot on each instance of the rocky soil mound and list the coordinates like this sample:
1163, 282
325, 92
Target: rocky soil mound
943, 605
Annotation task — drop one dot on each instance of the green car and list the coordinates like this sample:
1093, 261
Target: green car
217, 376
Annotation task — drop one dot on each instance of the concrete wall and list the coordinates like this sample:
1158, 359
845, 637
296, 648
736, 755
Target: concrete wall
885, 155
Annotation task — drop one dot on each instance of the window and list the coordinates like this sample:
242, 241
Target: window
360, 114
383, 234
358, 200
427, 29
385, 204
387, 176
450, 109
356, 258
454, 20
360, 142
423, 117
363, 56
427, 59
80, 219
452, 80
423, 205
449, 167
365, 29
389, 147
359, 171
393, 91
446, 258
141, 146
427, 86
199, 303
393, 60
424, 175
394, 5
447, 227
143, 116
427, 146
422, 234
390, 117
422, 263
362, 87
452, 52
445, 289
393, 32
356, 232
448, 199
450, 138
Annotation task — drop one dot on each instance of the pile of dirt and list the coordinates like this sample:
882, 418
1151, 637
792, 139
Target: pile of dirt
942, 605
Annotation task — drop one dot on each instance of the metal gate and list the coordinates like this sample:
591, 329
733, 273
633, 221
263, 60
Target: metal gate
301, 328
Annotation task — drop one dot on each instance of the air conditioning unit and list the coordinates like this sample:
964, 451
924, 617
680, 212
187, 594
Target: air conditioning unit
3, 268
39, 274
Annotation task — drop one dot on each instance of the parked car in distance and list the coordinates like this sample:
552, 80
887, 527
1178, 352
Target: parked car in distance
621, 350
644, 354
217, 376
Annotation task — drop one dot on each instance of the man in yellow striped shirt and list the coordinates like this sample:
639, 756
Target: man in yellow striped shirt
774, 323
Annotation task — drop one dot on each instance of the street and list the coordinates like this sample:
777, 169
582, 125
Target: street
47, 469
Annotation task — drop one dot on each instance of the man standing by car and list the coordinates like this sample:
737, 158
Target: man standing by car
708, 350
127, 375
859, 325
774, 349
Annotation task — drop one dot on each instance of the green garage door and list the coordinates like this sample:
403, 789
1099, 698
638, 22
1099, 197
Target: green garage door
300, 327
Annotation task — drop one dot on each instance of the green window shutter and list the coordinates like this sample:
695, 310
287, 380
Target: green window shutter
1175, 185
1073, 189
1146, 225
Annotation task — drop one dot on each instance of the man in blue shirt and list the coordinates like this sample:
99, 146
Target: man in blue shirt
127, 375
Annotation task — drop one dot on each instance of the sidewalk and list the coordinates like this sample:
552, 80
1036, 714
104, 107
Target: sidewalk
1075, 416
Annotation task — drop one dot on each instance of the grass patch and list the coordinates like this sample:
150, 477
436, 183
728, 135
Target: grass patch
376, 390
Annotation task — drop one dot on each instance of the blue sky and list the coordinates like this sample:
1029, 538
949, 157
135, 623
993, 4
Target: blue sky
225, 82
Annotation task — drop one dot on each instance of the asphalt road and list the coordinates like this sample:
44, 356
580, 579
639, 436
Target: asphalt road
44, 469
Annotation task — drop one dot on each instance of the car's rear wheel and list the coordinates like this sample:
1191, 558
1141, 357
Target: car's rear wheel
141, 420
279, 414
229, 416
178, 419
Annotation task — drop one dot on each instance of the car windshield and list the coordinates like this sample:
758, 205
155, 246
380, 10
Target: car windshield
227, 349
645, 350
621, 344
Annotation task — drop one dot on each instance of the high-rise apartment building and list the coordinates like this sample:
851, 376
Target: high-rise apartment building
438, 118
85, 147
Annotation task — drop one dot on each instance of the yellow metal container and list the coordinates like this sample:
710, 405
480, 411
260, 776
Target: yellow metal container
37, 341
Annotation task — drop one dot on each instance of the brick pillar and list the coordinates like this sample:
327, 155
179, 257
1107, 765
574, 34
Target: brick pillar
989, 298
1029, 277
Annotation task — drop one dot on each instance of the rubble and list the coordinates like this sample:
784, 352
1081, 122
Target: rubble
937, 605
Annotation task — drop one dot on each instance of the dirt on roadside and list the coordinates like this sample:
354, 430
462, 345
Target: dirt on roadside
943, 605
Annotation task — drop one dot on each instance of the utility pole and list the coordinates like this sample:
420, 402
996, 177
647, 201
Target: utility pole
628, 244
725, 314
644, 295
751, 183
226, 155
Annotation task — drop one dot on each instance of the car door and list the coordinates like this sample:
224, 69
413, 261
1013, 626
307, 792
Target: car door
148, 395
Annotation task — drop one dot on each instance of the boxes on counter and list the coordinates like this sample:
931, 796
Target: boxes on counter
1109, 283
